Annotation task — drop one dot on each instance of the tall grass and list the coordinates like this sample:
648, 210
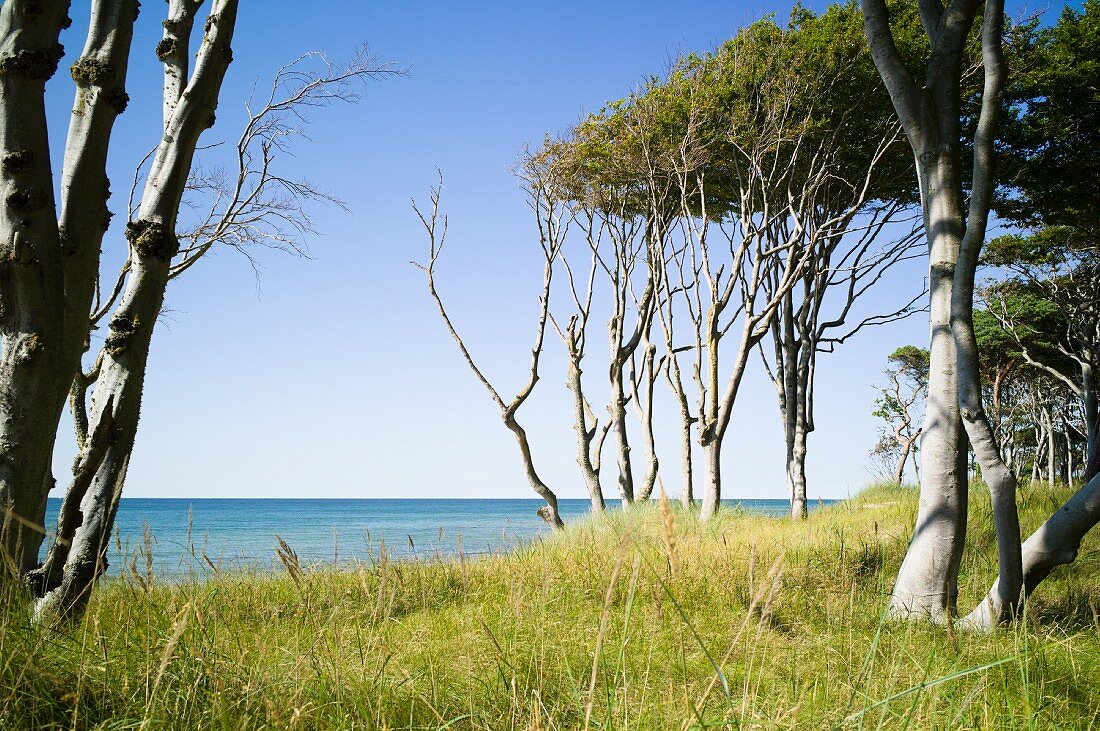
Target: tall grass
643, 620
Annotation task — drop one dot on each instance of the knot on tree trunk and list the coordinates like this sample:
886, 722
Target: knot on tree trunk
18, 161
942, 270
27, 348
89, 71
122, 328
92, 71
20, 253
38, 65
152, 239
27, 200
167, 46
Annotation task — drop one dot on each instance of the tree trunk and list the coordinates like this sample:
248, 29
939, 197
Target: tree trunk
100, 75
687, 494
1092, 423
899, 473
797, 434
1001, 603
118, 390
1067, 443
645, 415
796, 475
712, 479
927, 582
548, 512
585, 437
31, 284
617, 412
1048, 435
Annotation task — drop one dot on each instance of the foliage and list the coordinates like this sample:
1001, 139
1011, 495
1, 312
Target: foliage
1051, 136
801, 92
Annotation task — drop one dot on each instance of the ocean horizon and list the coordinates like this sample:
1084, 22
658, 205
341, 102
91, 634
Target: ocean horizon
193, 538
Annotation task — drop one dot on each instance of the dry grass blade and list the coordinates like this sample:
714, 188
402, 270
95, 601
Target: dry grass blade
615, 571
765, 595
289, 559
668, 531
174, 637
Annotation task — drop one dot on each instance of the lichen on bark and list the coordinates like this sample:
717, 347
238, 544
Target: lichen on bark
152, 239
40, 64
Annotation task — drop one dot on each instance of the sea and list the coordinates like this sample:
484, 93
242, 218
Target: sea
193, 538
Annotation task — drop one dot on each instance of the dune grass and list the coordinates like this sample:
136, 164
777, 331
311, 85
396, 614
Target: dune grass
635, 621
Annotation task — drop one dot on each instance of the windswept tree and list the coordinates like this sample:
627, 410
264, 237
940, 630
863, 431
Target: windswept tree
1050, 309
573, 331
752, 172
900, 405
856, 129
552, 221
626, 253
930, 114
595, 176
1051, 157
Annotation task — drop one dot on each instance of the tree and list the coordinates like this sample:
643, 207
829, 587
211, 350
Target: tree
1051, 154
55, 317
254, 207
574, 336
901, 403
1050, 309
930, 115
48, 264
858, 129
152, 237
748, 167
1049, 150
842, 269
551, 220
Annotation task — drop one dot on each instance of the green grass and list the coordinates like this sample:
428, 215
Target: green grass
752, 623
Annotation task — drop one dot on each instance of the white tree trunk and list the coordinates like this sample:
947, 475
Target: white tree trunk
687, 492
585, 437
712, 479
617, 414
927, 583
118, 390
796, 473
31, 286
100, 74
1091, 408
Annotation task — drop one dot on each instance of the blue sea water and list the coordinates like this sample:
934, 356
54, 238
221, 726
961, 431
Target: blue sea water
241, 533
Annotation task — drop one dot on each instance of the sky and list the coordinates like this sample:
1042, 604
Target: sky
332, 376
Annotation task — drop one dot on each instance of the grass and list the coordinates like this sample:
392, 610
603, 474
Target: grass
744, 622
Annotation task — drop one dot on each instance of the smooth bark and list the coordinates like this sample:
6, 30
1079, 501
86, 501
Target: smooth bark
31, 287
927, 581
1000, 604
550, 243
153, 243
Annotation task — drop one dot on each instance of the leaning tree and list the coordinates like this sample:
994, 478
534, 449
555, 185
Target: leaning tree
55, 289
758, 192
552, 221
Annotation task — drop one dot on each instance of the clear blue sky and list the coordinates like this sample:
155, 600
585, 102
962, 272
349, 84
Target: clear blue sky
335, 378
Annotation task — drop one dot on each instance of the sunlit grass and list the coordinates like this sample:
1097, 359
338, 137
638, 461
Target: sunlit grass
753, 622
